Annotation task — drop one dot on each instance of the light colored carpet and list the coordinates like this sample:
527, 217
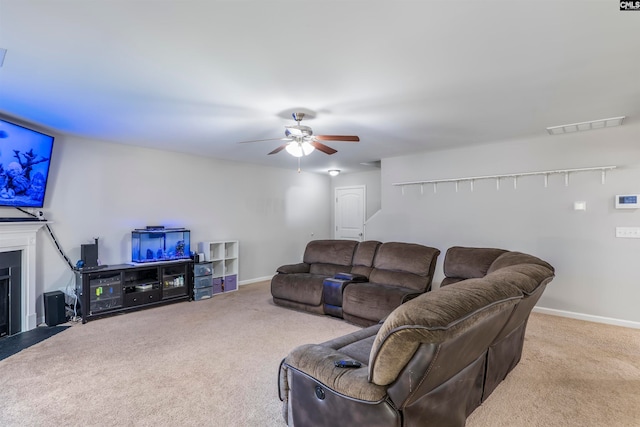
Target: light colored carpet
215, 363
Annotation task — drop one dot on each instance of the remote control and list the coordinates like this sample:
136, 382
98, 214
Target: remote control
347, 364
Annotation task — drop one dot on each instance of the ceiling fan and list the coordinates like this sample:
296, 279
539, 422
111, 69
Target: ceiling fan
301, 141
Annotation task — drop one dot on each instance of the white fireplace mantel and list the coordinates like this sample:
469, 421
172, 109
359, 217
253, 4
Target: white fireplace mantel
21, 236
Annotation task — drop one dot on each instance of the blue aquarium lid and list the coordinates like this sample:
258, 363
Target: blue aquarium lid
158, 230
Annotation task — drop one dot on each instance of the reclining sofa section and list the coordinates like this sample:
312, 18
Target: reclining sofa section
389, 274
432, 361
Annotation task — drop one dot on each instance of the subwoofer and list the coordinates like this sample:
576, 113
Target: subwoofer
54, 312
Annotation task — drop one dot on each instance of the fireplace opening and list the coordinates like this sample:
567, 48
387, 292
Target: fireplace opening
10, 293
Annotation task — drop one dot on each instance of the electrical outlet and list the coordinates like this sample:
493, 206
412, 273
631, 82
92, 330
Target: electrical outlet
628, 232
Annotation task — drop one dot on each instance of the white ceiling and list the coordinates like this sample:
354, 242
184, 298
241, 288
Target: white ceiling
405, 76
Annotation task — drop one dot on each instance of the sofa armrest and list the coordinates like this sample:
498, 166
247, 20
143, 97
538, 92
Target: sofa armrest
411, 296
294, 268
333, 287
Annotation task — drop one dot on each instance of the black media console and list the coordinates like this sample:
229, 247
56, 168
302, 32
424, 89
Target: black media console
126, 287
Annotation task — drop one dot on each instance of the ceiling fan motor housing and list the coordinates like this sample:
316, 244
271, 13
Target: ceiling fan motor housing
298, 131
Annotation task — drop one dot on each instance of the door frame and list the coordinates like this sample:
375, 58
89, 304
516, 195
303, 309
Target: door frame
364, 207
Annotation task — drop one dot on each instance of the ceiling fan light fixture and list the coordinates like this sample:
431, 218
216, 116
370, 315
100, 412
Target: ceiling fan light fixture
334, 172
299, 149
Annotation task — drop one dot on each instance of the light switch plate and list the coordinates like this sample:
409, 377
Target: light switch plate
628, 232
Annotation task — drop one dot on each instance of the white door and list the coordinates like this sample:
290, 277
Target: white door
349, 213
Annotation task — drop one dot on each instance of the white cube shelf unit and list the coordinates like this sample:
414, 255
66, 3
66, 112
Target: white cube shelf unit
224, 257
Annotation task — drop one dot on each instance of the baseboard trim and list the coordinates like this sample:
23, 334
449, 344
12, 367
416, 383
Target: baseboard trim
588, 317
257, 279
542, 310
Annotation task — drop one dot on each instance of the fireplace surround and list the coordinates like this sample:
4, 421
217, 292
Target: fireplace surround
21, 236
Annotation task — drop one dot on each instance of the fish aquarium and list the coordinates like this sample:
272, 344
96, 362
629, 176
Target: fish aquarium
154, 244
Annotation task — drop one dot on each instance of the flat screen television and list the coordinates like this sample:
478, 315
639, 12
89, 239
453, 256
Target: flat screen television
25, 159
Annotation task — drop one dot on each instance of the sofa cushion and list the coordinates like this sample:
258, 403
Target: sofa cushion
467, 263
339, 252
372, 301
408, 257
363, 257
326, 270
317, 361
360, 334
400, 279
407, 265
356, 345
365, 253
303, 288
435, 317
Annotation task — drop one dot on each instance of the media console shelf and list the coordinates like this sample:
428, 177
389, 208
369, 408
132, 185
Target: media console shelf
126, 287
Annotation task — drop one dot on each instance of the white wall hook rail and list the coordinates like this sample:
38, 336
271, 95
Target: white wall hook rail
515, 176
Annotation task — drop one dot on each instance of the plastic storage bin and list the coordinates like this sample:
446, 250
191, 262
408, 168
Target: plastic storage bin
203, 269
202, 293
160, 244
203, 282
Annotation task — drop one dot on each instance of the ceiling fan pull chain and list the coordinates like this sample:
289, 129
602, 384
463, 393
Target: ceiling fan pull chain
298, 164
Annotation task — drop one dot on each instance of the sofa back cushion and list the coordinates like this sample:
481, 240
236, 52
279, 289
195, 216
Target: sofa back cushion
436, 317
336, 252
407, 265
363, 257
515, 258
462, 263
327, 270
526, 276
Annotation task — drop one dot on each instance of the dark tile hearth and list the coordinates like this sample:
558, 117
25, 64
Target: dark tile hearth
15, 343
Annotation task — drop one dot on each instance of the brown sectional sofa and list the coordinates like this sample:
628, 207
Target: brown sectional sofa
433, 360
387, 275
300, 285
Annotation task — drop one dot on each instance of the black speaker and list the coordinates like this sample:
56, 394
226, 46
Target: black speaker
89, 254
54, 312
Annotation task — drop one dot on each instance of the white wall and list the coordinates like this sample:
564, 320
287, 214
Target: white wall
106, 190
596, 274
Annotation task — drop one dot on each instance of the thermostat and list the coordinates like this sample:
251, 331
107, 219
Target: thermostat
627, 201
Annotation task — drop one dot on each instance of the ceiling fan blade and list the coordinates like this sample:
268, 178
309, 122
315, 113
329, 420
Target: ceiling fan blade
344, 138
322, 147
279, 149
261, 140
